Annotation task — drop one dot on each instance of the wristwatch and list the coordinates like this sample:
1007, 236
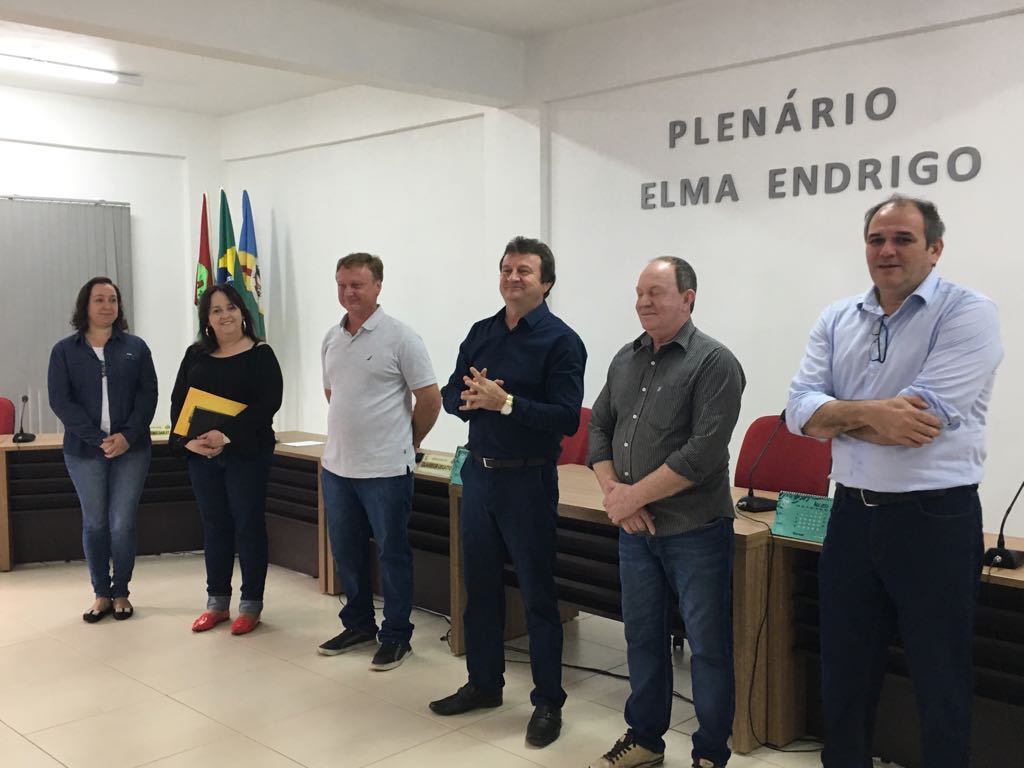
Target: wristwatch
506, 409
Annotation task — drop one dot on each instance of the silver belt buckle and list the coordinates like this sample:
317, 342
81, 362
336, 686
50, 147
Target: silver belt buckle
865, 501
486, 462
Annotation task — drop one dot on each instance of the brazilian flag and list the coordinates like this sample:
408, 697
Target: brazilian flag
227, 253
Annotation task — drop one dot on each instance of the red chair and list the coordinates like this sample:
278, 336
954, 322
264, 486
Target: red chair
790, 463
574, 447
6, 416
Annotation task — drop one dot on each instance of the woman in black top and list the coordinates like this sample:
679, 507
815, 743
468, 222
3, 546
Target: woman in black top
229, 466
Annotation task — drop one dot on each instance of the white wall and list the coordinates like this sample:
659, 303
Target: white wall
434, 187
156, 160
571, 170
767, 267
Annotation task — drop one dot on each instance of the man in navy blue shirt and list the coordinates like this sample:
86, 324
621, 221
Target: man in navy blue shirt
518, 382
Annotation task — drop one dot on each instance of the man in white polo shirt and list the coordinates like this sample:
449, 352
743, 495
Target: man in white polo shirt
374, 367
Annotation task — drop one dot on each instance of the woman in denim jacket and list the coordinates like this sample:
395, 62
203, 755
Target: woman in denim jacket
102, 386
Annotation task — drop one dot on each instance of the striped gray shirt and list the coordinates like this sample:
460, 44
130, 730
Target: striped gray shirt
677, 407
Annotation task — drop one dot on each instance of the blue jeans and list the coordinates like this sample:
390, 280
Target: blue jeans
914, 567
356, 509
109, 491
231, 492
511, 514
694, 568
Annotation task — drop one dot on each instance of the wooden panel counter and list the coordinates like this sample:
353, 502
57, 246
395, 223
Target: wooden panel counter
581, 513
40, 517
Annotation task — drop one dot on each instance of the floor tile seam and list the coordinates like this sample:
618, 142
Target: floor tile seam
682, 722
114, 711
297, 712
503, 749
163, 694
25, 737
572, 666
346, 690
602, 644
407, 749
198, 746
407, 708
293, 662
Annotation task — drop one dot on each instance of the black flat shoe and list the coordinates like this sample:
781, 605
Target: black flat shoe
91, 616
545, 725
466, 699
120, 614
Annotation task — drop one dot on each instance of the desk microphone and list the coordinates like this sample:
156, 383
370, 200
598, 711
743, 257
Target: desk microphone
752, 502
999, 556
22, 436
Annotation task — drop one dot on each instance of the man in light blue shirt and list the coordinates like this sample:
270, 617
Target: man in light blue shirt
900, 378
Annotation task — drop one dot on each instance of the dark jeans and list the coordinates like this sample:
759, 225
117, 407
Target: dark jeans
356, 509
694, 568
109, 491
914, 567
511, 513
231, 492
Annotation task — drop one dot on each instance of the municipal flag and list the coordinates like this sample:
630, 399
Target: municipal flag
204, 269
246, 275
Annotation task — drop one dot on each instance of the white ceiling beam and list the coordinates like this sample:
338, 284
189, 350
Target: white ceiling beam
386, 49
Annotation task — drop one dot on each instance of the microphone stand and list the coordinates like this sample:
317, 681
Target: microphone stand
22, 436
999, 556
751, 502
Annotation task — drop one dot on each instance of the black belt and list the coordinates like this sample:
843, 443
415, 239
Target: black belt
881, 498
486, 463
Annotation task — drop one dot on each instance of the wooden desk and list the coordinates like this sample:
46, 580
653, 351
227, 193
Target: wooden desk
40, 517
35, 489
580, 499
428, 530
792, 661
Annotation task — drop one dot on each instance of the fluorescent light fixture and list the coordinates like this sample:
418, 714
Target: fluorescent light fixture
46, 68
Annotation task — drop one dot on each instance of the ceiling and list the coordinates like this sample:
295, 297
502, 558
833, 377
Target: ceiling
517, 18
170, 79
174, 78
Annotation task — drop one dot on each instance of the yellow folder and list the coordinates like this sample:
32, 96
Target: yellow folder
198, 398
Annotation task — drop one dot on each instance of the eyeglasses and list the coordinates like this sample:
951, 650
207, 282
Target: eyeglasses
880, 340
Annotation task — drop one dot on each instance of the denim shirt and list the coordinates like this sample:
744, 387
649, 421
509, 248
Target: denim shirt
75, 385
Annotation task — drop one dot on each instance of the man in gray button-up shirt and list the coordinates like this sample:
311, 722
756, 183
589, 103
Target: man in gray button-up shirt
659, 436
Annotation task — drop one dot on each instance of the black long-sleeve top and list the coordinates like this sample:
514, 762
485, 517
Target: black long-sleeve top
252, 377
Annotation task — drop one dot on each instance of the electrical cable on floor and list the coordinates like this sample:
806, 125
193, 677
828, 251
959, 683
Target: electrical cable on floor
757, 647
595, 670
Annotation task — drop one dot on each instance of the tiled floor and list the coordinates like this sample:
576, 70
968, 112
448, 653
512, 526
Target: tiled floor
149, 692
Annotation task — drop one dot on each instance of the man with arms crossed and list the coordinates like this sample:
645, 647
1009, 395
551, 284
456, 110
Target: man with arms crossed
518, 381
659, 445
373, 366
900, 377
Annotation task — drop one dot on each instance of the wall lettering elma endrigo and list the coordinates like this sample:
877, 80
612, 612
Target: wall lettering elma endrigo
820, 114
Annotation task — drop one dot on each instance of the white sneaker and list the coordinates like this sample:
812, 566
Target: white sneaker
628, 754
